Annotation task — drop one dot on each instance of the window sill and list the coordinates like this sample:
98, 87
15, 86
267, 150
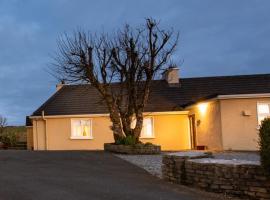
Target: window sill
81, 138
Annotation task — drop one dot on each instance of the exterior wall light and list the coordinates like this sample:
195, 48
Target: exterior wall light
203, 108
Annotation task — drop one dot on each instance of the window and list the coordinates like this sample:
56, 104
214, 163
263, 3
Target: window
147, 130
263, 110
81, 129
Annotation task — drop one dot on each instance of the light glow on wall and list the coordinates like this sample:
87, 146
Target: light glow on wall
203, 108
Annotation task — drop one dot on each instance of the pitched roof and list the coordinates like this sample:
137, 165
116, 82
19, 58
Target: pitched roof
84, 99
28, 122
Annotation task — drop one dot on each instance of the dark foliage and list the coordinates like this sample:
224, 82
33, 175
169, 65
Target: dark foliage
264, 144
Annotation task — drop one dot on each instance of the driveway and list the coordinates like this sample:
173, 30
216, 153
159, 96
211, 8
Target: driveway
76, 175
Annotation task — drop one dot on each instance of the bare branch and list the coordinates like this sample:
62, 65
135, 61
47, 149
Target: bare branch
121, 67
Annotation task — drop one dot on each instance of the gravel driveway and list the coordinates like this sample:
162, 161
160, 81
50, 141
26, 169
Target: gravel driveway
81, 175
151, 163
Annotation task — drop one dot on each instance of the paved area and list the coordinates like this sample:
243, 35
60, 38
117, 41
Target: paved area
76, 175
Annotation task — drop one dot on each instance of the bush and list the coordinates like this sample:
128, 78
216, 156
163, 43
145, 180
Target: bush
8, 138
264, 143
148, 144
128, 140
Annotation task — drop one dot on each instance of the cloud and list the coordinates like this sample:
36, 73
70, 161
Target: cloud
217, 38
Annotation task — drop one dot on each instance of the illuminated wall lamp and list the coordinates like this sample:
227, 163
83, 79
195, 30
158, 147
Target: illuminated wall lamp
203, 108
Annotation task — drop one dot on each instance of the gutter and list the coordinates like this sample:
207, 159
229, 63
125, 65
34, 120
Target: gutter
243, 96
107, 115
229, 96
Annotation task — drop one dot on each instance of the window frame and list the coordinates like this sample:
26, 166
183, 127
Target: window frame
81, 137
153, 132
258, 114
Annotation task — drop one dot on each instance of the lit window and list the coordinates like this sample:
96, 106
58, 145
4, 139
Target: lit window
147, 129
263, 110
81, 129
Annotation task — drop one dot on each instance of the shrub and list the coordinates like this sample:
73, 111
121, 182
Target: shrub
264, 144
128, 140
148, 144
8, 138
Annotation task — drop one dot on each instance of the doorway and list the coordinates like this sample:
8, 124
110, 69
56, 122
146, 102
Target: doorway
192, 126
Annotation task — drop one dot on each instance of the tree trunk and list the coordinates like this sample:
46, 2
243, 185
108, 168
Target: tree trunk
139, 124
116, 125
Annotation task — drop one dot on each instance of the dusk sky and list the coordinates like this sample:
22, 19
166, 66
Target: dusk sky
226, 37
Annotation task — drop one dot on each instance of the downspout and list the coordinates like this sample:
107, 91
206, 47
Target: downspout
36, 133
46, 136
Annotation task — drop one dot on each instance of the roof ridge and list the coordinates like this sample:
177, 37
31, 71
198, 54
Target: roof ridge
114, 83
227, 76
186, 78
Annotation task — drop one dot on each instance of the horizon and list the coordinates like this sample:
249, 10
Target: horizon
230, 38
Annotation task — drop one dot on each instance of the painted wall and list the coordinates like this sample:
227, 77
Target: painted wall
29, 138
208, 124
240, 132
39, 135
171, 132
59, 132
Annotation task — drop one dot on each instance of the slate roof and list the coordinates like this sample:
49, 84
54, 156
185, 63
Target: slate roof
28, 122
84, 99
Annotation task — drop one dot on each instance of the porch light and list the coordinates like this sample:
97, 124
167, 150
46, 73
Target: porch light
203, 108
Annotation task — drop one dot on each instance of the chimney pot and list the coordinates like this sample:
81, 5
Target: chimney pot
60, 85
171, 75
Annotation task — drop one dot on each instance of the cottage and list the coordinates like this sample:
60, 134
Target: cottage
215, 113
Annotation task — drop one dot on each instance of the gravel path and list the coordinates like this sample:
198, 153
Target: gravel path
250, 156
153, 163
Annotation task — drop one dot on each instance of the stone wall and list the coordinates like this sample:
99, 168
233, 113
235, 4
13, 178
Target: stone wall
133, 149
242, 180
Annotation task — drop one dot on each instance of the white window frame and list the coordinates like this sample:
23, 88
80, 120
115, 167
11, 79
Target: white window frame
81, 137
153, 132
258, 114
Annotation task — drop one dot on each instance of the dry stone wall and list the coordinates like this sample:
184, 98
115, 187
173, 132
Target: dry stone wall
242, 180
133, 149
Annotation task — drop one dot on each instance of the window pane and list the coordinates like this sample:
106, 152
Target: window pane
76, 128
261, 118
85, 124
147, 128
81, 128
263, 109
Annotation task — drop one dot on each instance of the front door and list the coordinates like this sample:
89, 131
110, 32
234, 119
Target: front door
192, 125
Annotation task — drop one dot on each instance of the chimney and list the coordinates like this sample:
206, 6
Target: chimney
60, 85
171, 75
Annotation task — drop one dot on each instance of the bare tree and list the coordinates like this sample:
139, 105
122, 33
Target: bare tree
3, 124
120, 67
